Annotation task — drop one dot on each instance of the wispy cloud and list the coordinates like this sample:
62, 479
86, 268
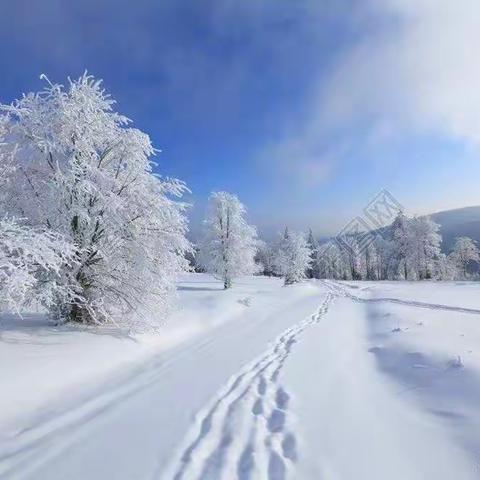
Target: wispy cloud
412, 67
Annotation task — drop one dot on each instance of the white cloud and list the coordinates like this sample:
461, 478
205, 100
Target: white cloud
420, 69
414, 68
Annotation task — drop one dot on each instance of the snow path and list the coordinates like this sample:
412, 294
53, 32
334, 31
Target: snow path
338, 394
341, 290
242, 433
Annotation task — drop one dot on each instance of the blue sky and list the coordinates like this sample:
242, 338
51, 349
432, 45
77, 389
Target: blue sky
304, 108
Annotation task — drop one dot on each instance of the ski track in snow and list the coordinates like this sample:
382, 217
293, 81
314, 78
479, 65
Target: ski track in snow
50, 435
245, 433
340, 289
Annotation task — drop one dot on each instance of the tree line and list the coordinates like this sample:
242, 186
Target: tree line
409, 249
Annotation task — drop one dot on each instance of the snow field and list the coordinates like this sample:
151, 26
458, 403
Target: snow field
353, 420
337, 380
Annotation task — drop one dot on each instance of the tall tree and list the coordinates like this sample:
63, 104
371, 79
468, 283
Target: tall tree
353, 258
313, 269
416, 246
265, 258
385, 258
82, 172
370, 261
229, 243
425, 245
401, 244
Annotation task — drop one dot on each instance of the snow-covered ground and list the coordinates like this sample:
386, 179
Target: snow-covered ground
335, 380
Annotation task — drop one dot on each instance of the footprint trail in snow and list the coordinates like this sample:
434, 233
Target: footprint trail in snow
245, 433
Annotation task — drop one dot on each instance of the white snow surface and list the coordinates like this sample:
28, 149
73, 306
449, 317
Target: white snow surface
320, 380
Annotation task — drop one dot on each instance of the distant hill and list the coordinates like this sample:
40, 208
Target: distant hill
461, 222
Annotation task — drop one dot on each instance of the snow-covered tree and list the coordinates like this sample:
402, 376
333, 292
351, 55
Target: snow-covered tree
370, 262
353, 258
331, 262
293, 256
409, 249
425, 244
464, 252
265, 258
444, 268
416, 246
313, 269
229, 243
401, 244
30, 265
386, 267
82, 172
